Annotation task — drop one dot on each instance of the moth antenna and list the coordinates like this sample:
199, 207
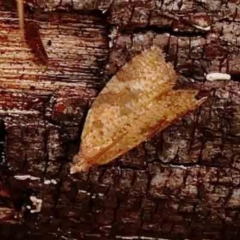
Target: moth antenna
20, 10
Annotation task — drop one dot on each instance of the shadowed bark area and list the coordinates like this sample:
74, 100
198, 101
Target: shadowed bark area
182, 183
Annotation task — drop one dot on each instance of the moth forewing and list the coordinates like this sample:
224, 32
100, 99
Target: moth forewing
136, 103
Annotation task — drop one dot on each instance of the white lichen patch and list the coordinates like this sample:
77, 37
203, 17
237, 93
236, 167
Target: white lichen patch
50, 181
37, 202
25, 177
53, 181
112, 36
137, 237
32, 178
216, 76
178, 166
18, 112
203, 28
47, 182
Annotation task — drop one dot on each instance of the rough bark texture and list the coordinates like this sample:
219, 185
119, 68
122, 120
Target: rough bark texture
183, 183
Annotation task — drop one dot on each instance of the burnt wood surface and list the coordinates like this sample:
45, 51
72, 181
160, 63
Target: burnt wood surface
182, 183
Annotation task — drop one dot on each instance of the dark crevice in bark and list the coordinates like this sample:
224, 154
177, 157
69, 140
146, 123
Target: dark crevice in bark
46, 157
235, 76
162, 30
2, 141
39, 13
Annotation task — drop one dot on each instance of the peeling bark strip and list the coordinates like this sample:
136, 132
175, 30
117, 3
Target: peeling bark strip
29, 32
33, 39
137, 102
20, 10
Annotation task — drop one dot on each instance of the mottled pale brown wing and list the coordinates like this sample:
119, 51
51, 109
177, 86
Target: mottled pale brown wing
158, 115
137, 102
125, 97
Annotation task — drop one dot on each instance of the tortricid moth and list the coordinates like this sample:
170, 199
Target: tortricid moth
135, 104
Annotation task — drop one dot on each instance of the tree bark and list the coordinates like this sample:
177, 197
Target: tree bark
182, 183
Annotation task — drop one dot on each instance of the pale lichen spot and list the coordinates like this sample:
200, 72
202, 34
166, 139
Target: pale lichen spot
216, 76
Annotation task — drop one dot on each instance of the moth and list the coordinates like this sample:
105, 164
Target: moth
135, 104
29, 32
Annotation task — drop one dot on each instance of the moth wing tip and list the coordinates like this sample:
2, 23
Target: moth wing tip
155, 48
79, 168
73, 170
79, 165
202, 100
